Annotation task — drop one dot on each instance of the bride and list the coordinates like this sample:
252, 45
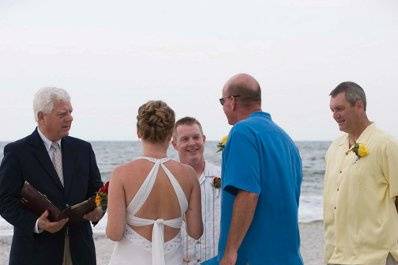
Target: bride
150, 196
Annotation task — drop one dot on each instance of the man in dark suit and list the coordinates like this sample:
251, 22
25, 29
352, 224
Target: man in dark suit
65, 170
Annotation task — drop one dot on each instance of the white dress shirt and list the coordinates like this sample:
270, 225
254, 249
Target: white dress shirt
197, 251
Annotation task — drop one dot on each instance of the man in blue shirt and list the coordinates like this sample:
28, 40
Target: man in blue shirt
261, 179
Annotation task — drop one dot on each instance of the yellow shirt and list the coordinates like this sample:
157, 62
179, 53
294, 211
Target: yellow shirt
360, 218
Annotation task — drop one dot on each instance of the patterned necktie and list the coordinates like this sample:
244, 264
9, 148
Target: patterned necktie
56, 158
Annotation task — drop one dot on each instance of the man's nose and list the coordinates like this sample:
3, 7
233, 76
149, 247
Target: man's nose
69, 117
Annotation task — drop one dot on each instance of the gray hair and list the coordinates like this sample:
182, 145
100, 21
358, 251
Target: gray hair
353, 92
45, 98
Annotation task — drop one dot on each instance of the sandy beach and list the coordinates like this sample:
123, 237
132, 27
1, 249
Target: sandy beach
311, 245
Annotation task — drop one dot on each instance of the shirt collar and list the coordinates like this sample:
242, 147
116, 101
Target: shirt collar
207, 173
47, 142
203, 175
259, 114
363, 138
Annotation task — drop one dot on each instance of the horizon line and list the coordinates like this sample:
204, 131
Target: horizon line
121, 140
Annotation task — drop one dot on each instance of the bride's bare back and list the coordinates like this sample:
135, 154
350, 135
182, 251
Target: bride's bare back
162, 202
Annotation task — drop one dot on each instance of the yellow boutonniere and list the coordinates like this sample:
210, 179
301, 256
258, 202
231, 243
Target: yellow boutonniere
221, 144
359, 149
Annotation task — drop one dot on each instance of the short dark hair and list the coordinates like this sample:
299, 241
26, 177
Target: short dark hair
353, 92
186, 121
247, 95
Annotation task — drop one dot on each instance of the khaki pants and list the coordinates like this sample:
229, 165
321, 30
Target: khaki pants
67, 256
390, 261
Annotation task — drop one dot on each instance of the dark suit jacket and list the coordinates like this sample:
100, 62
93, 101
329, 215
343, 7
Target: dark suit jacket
28, 159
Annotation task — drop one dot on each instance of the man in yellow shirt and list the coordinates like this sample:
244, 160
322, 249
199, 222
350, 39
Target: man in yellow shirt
361, 186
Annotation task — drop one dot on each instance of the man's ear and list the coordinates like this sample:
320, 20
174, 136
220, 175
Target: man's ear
359, 104
174, 142
40, 116
234, 103
204, 138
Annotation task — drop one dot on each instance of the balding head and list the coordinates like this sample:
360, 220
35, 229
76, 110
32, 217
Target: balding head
246, 87
241, 96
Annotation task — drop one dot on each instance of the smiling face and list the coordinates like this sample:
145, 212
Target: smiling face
57, 123
189, 142
346, 115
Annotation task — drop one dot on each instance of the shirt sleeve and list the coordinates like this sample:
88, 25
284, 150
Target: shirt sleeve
390, 166
242, 163
36, 229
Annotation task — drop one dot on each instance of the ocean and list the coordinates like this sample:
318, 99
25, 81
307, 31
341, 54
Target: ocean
109, 154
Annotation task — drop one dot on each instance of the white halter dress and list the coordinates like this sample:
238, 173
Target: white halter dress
137, 250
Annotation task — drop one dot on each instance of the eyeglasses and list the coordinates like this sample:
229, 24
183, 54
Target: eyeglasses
222, 100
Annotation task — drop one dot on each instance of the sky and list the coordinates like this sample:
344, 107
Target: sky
113, 56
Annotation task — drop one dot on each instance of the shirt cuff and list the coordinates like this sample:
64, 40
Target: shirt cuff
36, 229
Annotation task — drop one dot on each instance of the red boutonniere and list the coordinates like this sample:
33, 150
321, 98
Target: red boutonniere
101, 197
216, 182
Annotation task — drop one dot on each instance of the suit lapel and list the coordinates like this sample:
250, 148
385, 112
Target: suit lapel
42, 156
67, 163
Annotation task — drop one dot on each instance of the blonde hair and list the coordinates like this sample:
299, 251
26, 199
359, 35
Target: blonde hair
155, 121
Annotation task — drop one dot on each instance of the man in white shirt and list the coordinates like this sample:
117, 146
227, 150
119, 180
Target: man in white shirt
188, 141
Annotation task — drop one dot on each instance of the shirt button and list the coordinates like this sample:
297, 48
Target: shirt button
334, 208
338, 189
340, 171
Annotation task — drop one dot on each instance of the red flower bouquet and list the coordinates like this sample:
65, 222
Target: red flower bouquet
101, 198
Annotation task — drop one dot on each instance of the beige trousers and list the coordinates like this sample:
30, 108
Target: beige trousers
67, 256
390, 261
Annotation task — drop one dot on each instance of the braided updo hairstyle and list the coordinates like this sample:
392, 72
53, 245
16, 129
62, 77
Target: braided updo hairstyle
155, 121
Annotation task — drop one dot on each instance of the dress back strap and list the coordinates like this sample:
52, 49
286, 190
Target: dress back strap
154, 160
144, 191
182, 199
146, 187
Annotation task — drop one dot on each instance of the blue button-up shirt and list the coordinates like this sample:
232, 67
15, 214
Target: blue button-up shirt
260, 157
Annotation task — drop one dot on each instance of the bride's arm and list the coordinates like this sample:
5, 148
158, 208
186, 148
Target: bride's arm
194, 213
116, 207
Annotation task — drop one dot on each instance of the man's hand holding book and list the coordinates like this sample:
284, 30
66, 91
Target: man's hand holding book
51, 219
43, 224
